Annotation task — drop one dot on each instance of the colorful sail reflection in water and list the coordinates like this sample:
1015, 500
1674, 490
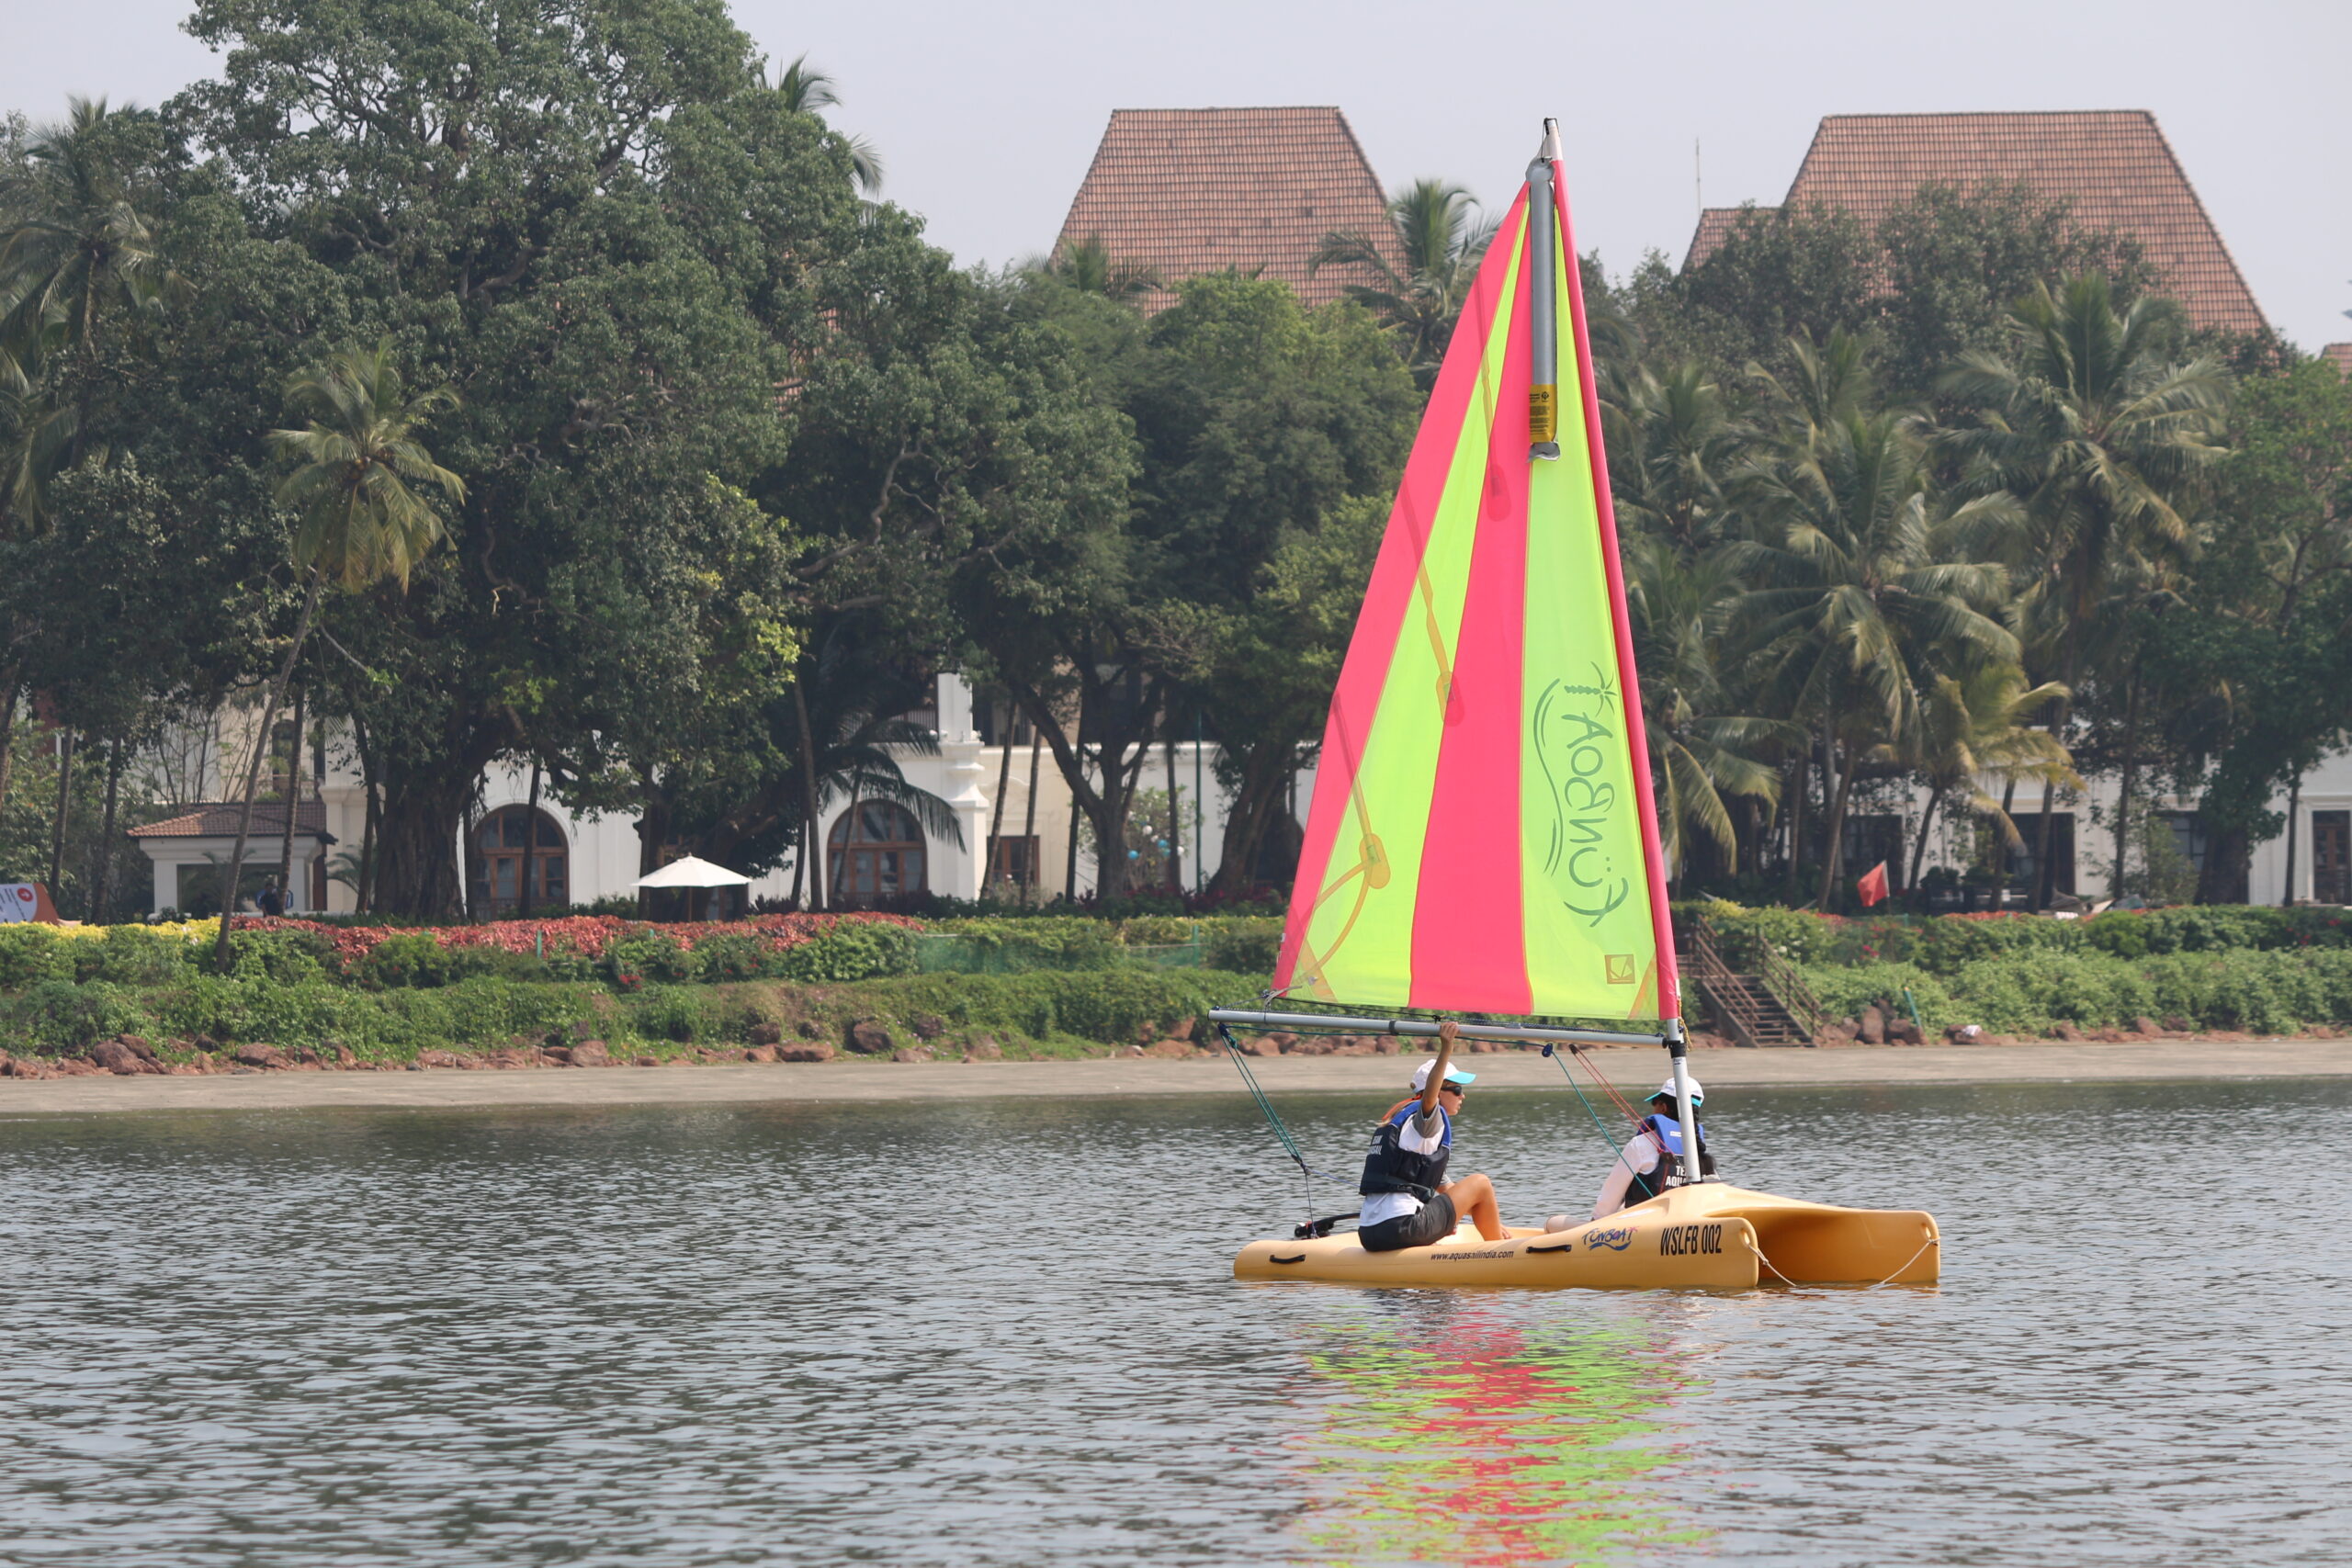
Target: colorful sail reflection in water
1488, 1443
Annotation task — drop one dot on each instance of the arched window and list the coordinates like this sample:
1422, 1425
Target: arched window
503, 849
882, 858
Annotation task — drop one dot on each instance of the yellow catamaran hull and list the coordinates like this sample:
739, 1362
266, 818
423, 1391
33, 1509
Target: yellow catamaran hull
1705, 1237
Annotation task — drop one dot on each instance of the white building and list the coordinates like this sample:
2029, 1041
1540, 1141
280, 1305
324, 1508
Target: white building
580, 859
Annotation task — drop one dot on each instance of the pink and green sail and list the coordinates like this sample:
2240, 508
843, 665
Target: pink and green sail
1482, 836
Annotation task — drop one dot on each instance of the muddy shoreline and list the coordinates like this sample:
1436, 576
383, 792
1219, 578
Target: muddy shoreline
687, 1082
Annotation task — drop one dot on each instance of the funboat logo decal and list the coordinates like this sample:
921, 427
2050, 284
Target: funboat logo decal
1675, 1241
1616, 1239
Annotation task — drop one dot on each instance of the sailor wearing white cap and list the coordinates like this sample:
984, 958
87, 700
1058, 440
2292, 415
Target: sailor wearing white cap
1653, 1160
1407, 1202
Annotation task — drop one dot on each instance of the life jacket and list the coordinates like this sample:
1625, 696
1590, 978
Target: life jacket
1390, 1167
1669, 1171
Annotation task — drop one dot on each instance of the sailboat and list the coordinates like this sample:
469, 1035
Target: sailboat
1483, 836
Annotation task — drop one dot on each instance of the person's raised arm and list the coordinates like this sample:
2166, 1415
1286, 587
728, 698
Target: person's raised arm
1445, 1037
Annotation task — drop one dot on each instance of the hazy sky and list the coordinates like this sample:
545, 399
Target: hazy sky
988, 115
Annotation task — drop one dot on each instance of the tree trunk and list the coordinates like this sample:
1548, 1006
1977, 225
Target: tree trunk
236, 866
9, 687
530, 846
1794, 815
1029, 824
1069, 867
468, 846
2294, 811
1175, 813
2044, 874
416, 838
102, 876
1833, 857
1264, 771
1926, 824
996, 815
652, 833
64, 803
363, 896
2229, 853
815, 853
849, 840
293, 804
2124, 794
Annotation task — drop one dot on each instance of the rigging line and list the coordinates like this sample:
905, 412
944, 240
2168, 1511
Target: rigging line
1614, 1146
1880, 1285
1273, 1118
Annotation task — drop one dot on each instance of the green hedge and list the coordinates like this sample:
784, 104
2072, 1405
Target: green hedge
1945, 945
1114, 1007
2031, 992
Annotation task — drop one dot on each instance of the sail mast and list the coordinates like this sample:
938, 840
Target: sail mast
1543, 356
1547, 193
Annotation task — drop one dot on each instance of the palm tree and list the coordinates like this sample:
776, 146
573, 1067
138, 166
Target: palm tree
1673, 446
358, 520
76, 254
1435, 230
1974, 725
1858, 590
2100, 434
1087, 266
1682, 609
806, 90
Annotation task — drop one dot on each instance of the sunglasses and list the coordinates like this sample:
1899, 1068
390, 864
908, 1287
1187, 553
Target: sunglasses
1454, 1088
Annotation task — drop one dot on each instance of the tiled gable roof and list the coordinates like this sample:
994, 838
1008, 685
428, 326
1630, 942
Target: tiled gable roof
1190, 191
2113, 167
1715, 225
218, 819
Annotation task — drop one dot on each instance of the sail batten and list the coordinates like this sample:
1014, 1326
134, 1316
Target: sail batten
1479, 838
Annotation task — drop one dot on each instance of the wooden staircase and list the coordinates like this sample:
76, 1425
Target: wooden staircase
1773, 1007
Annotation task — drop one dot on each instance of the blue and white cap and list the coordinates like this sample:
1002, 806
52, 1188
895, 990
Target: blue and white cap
1452, 1074
1698, 1095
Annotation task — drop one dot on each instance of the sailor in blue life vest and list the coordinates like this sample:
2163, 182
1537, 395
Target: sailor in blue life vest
1652, 1161
1407, 1202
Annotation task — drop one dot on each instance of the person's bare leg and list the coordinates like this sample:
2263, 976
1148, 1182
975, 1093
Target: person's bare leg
1475, 1196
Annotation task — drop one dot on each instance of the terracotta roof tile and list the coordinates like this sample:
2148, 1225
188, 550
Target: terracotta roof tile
2113, 167
1714, 228
1190, 191
2340, 356
218, 819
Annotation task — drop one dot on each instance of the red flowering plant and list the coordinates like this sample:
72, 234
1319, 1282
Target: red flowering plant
584, 935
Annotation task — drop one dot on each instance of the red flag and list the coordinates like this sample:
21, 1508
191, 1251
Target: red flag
1872, 887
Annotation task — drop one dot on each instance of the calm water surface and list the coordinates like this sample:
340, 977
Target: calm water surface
1004, 1333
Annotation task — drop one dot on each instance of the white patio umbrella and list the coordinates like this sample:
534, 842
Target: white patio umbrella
692, 871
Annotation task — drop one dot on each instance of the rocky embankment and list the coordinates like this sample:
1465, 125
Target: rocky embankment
131, 1055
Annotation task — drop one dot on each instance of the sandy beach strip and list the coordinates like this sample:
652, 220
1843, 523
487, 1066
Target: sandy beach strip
2047, 1062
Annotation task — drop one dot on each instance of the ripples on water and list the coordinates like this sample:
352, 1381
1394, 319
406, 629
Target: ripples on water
1004, 1332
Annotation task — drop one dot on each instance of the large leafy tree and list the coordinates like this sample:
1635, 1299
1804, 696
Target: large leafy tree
1255, 421
645, 269
2253, 659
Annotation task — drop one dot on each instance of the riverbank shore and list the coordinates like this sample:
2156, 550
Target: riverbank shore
846, 1082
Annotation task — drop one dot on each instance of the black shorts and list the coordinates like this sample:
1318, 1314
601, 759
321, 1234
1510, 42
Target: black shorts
1432, 1222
